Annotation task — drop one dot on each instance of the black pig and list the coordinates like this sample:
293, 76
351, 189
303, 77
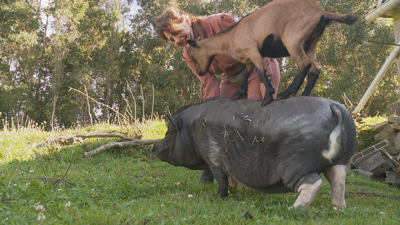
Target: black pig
274, 149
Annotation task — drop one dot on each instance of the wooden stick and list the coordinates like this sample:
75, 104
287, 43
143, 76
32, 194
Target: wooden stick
88, 103
133, 97
128, 107
152, 106
141, 88
125, 144
91, 135
391, 159
385, 43
41, 166
59, 180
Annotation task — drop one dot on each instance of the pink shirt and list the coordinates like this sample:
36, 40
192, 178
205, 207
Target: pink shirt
213, 25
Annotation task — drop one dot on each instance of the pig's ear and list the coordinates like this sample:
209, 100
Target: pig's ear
176, 121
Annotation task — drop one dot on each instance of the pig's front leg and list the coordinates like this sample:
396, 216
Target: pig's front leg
222, 180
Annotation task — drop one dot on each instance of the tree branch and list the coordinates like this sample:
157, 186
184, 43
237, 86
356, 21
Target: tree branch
391, 159
125, 144
62, 179
71, 138
126, 119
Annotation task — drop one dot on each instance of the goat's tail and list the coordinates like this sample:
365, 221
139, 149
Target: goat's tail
341, 18
334, 138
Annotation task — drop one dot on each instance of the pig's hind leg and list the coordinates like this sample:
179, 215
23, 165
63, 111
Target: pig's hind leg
336, 175
222, 180
308, 187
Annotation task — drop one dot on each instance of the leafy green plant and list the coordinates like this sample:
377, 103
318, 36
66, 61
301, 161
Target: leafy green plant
365, 134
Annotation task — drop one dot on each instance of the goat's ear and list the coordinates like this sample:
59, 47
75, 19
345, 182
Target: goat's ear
192, 43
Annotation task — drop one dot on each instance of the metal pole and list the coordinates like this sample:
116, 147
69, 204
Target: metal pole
396, 19
377, 79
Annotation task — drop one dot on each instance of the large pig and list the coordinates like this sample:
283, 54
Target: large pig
274, 149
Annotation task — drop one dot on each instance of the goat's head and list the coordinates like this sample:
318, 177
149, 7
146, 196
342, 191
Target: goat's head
200, 56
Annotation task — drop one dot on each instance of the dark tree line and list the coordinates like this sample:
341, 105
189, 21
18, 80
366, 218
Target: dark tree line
102, 51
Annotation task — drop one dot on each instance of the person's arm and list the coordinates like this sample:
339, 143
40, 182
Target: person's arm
209, 82
225, 21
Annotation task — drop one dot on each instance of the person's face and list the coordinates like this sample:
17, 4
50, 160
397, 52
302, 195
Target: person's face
185, 33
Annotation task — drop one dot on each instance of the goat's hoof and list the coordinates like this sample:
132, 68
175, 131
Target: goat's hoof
236, 97
282, 96
267, 102
279, 98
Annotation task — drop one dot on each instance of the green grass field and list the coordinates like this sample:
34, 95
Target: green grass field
131, 186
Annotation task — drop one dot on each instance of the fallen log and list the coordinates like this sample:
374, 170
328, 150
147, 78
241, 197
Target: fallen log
124, 144
71, 138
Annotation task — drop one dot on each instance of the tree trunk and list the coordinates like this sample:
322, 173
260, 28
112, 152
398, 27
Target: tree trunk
53, 111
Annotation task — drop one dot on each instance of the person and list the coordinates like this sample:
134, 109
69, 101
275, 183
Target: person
177, 26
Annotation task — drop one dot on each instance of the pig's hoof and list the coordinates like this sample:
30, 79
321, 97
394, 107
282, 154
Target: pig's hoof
222, 196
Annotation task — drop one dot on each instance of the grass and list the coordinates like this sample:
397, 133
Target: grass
131, 186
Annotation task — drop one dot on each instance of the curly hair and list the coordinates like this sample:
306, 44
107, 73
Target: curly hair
171, 18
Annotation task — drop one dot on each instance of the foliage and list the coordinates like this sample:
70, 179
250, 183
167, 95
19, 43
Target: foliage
365, 134
116, 187
115, 57
154, 129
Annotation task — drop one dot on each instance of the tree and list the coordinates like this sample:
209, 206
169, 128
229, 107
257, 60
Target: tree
87, 45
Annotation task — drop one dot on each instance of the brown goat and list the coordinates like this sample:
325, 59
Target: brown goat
279, 29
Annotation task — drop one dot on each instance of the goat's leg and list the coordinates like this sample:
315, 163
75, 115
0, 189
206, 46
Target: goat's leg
336, 176
269, 88
298, 54
312, 79
313, 73
246, 71
256, 58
